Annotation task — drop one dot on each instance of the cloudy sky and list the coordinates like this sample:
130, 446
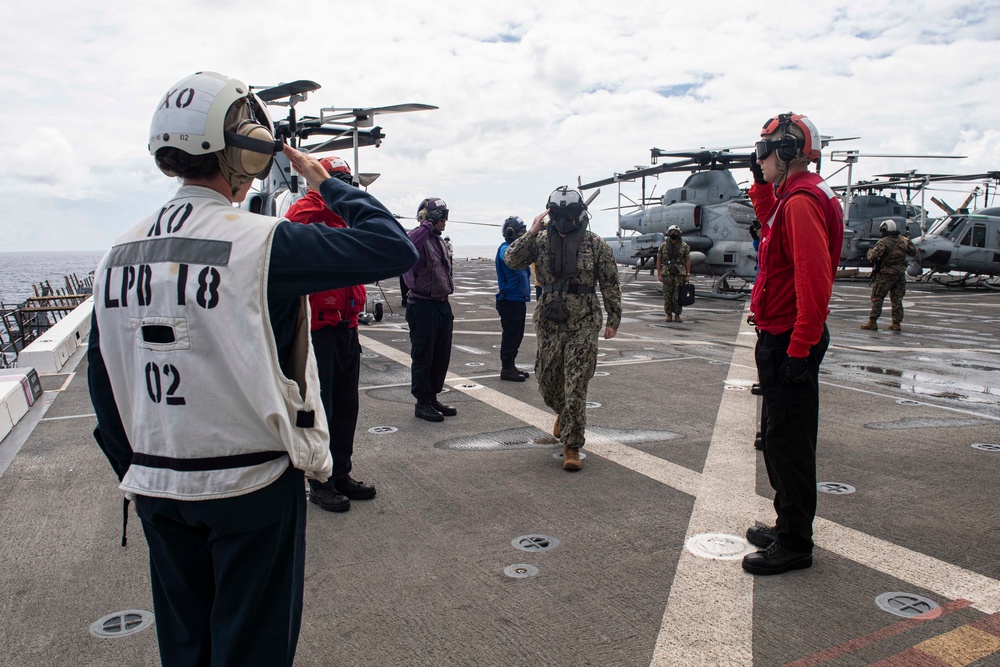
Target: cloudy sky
532, 95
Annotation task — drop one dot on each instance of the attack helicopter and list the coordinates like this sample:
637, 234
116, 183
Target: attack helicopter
714, 216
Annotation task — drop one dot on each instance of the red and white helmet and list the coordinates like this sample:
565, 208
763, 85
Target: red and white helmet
334, 164
811, 142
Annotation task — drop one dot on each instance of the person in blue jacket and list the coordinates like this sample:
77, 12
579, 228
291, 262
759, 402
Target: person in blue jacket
513, 295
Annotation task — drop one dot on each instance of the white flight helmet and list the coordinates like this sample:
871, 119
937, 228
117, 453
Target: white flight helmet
192, 117
888, 227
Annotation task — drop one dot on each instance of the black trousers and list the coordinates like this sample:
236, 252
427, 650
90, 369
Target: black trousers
431, 325
512, 316
792, 427
227, 575
338, 356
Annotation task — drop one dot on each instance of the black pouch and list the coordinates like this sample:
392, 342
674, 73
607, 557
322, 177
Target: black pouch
555, 310
673, 270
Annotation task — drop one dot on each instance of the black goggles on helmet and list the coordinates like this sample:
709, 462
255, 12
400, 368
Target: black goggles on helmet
764, 147
436, 215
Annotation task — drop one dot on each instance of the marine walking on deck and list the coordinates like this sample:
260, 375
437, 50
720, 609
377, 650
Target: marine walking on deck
572, 262
888, 259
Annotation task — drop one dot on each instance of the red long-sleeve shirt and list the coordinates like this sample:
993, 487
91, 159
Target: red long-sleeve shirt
331, 307
801, 237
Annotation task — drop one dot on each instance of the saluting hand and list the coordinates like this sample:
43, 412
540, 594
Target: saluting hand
537, 225
308, 166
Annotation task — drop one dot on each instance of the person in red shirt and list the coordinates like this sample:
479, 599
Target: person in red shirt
338, 355
802, 230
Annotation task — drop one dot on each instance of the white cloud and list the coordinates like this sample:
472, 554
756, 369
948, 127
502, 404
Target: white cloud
531, 95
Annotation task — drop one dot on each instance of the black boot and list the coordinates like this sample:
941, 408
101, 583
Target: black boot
446, 410
524, 374
425, 410
329, 499
511, 374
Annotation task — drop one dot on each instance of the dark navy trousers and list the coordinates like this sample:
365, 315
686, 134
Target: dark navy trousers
431, 325
227, 575
338, 359
791, 431
512, 316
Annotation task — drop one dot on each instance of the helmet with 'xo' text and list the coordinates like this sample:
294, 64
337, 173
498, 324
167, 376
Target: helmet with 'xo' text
208, 112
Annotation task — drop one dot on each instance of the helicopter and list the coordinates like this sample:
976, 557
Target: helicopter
714, 215
346, 128
865, 211
963, 242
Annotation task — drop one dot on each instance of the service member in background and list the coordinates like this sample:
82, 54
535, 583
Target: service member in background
334, 327
428, 312
571, 262
203, 378
888, 259
673, 266
513, 295
801, 234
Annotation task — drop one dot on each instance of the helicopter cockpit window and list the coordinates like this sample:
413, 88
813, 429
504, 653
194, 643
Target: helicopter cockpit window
978, 234
741, 213
949, 226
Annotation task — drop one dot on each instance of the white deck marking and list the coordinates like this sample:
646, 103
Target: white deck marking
709, 614
704, 590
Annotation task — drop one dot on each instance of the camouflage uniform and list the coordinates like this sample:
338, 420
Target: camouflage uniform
670, 254
567, 352
892, 250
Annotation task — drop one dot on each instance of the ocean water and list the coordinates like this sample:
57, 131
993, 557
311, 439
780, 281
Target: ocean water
20, 270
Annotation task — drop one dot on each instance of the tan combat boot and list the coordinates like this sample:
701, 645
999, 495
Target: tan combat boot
677, 318
894, 327
670, 318
871, 326
555, 427
571, 458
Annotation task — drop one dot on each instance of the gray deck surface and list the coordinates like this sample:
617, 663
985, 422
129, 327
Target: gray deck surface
416, 576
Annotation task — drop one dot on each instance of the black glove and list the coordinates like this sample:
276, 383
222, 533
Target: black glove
758, 173
795, 370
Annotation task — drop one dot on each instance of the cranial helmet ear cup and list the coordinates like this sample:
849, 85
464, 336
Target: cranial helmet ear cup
240, 144
508, 233
788, 147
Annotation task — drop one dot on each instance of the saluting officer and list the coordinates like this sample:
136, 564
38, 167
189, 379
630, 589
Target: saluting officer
571, 262
203, 379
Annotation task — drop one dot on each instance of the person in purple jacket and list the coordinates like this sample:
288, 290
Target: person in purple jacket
428, 312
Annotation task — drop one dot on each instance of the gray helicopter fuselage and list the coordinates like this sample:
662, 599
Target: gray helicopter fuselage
714, 218
868, 212
966, 242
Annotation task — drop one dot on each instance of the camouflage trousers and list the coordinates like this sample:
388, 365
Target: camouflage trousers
893, 284
671, 290
564, 364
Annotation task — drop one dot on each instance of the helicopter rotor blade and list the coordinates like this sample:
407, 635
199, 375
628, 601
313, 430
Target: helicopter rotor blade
273, 93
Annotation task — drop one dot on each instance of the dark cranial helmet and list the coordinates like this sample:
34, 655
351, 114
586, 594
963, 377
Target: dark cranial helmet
888, 228
513, 228
567, 210
432, 209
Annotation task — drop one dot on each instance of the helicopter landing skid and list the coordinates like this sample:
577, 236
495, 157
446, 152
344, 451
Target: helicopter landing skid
721, 289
